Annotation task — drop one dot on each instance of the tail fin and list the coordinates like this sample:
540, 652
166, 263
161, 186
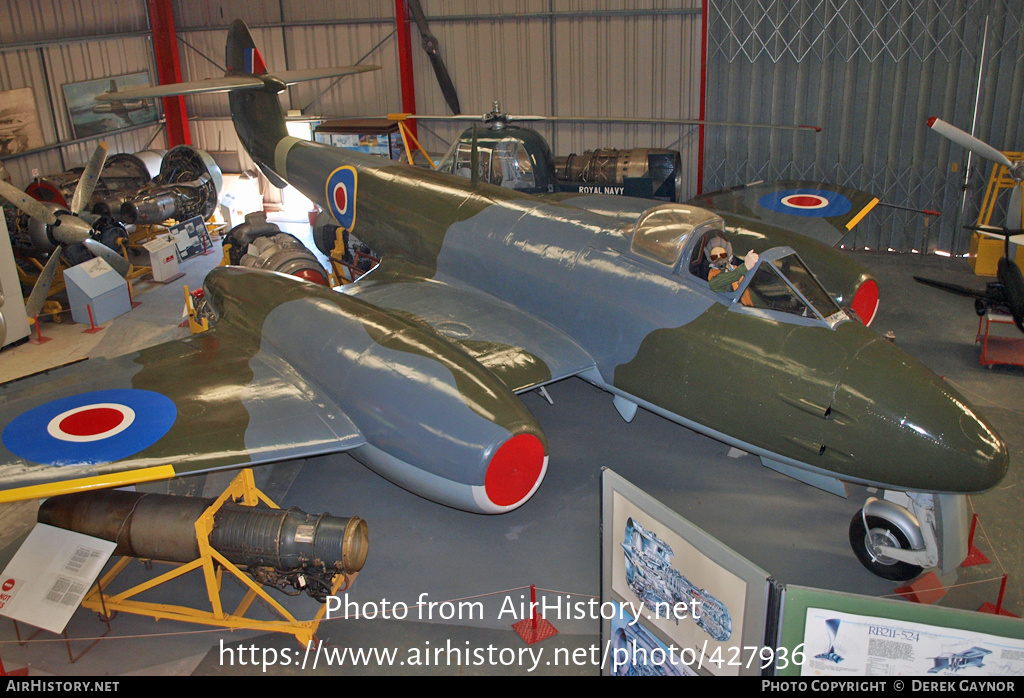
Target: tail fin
255, 109
257, 114
242, 56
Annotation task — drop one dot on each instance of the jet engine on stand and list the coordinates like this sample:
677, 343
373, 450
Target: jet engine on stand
279, 548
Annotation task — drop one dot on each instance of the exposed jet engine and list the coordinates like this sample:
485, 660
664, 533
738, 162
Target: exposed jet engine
189, 184
659, 169
261, 245
122, 172
285, 549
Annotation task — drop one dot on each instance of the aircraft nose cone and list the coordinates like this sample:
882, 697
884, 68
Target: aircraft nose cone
910, 429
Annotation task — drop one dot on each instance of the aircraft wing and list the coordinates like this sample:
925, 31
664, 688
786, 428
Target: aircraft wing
825, 212
204, 403
224, 84
523, 351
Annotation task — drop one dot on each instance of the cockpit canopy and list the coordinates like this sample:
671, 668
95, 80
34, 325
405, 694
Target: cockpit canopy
661, 233
511, 157
782, 282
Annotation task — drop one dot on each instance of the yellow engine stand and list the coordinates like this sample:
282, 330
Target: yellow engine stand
407, 137
986, 251
213, 565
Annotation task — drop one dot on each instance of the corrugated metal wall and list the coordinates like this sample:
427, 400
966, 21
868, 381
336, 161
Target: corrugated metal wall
871, 74
45, 44
548, 57
571, 58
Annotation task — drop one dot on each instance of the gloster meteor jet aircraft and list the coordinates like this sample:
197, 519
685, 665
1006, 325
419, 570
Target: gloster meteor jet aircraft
484, 293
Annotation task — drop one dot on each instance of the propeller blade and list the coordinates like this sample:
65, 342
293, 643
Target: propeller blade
431, 46
90, 176
108, 255
966, 140
42, 288
451, 97
26, 204
1013, 209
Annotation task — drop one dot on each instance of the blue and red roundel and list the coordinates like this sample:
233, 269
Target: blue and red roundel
97, 427
341, 196
814, 203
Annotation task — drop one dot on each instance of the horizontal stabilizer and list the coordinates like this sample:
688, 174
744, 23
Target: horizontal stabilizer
234, 82
225, 84
290, 77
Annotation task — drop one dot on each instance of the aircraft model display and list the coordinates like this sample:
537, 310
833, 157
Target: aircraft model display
483, 293
1007, 293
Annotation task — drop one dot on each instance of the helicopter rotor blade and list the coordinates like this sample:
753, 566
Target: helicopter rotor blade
108, 255
611, 120
26, 204
90, 176
42, 288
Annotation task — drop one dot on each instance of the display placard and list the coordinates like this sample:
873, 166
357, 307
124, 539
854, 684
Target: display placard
49, 576
843, 635
191, 237
690, 604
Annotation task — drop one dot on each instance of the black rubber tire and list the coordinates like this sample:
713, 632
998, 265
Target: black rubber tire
324, 238
893, 569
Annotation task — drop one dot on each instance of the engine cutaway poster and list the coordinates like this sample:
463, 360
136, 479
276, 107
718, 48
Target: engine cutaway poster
682, 592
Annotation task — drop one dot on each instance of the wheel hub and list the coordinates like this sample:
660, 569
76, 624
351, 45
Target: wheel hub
877, 537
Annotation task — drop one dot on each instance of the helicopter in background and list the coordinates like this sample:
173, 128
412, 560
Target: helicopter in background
518, 157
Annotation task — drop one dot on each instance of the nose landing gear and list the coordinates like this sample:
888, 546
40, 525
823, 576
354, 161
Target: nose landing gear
901, 535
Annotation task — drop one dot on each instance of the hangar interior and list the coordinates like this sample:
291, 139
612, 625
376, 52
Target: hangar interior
868, 75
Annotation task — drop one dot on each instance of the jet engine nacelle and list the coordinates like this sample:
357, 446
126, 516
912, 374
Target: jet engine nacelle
435, 421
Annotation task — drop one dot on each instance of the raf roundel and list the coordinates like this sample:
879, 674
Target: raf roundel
341, 196
813, 203
97, 427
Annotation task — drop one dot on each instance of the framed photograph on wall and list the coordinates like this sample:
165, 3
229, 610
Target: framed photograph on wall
91, 118
19, 122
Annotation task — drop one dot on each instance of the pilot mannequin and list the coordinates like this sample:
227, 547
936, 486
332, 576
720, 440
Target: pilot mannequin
723, 275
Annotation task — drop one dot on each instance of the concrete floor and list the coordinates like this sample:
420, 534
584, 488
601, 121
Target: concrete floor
796, 533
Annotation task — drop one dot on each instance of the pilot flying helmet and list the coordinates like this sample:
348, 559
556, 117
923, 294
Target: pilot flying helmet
719, 252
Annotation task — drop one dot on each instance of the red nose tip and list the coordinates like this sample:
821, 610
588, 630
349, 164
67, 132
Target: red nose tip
865, 301
514, 470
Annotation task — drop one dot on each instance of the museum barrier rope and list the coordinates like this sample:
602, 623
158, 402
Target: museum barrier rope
410, 607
